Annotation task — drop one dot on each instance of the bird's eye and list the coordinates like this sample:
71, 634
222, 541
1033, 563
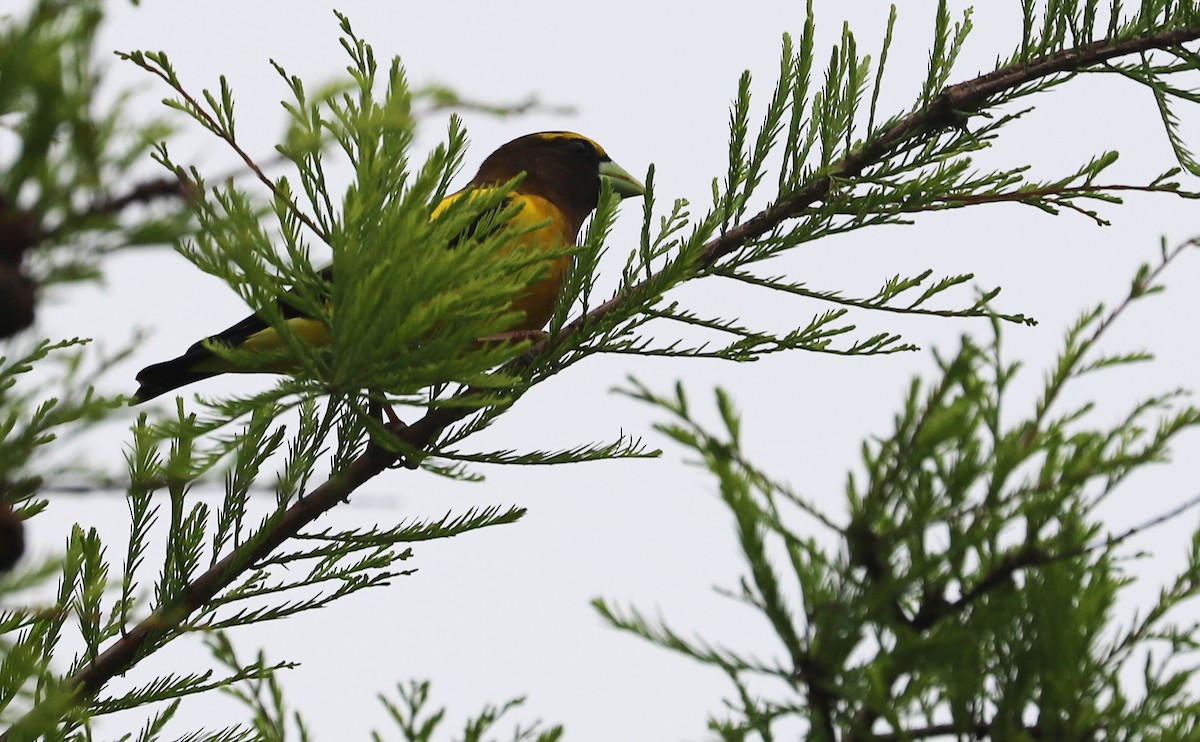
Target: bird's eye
580, 147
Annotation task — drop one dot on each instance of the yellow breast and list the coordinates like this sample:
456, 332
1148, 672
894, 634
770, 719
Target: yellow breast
537, 302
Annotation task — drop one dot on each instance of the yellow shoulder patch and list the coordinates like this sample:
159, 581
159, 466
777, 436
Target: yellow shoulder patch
451, 198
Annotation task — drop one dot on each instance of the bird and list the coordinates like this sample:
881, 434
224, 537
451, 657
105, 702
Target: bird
563, 172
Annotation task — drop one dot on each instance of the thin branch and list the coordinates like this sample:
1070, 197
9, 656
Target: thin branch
228, 138
1025, 195
931, 611
446, 99
877, 303
142, 193
979, 730
1057, 196
1115, 539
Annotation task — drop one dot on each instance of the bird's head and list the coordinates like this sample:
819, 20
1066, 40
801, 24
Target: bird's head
561, 166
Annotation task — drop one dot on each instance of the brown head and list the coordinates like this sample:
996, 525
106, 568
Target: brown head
560, 166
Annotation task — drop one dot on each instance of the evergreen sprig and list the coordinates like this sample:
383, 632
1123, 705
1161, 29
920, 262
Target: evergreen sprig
417, 723
971, 589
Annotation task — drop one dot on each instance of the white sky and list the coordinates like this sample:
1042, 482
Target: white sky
505, 612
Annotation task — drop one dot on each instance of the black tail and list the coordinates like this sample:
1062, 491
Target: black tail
163, 377
168, 375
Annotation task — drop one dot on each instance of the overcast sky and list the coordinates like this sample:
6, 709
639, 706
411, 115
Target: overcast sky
505, 612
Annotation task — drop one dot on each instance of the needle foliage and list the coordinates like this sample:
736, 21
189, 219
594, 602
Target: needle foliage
968, 589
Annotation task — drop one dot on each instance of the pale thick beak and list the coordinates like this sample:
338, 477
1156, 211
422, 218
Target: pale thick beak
623, 184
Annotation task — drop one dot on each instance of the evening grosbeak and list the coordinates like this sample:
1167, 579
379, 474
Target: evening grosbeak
562, 171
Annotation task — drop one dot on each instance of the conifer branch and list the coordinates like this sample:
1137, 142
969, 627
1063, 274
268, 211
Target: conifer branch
943, 111
145, 636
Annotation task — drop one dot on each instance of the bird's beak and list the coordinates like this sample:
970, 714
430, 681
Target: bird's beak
623, 184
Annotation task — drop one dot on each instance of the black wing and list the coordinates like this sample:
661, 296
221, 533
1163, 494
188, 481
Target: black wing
161, 378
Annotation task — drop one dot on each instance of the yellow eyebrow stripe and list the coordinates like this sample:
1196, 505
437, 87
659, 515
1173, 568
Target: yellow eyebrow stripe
573, 135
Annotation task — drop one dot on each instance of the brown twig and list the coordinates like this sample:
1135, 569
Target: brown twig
227, 136
941, 112
444, 99
1057, 196
979, 730
144, 192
